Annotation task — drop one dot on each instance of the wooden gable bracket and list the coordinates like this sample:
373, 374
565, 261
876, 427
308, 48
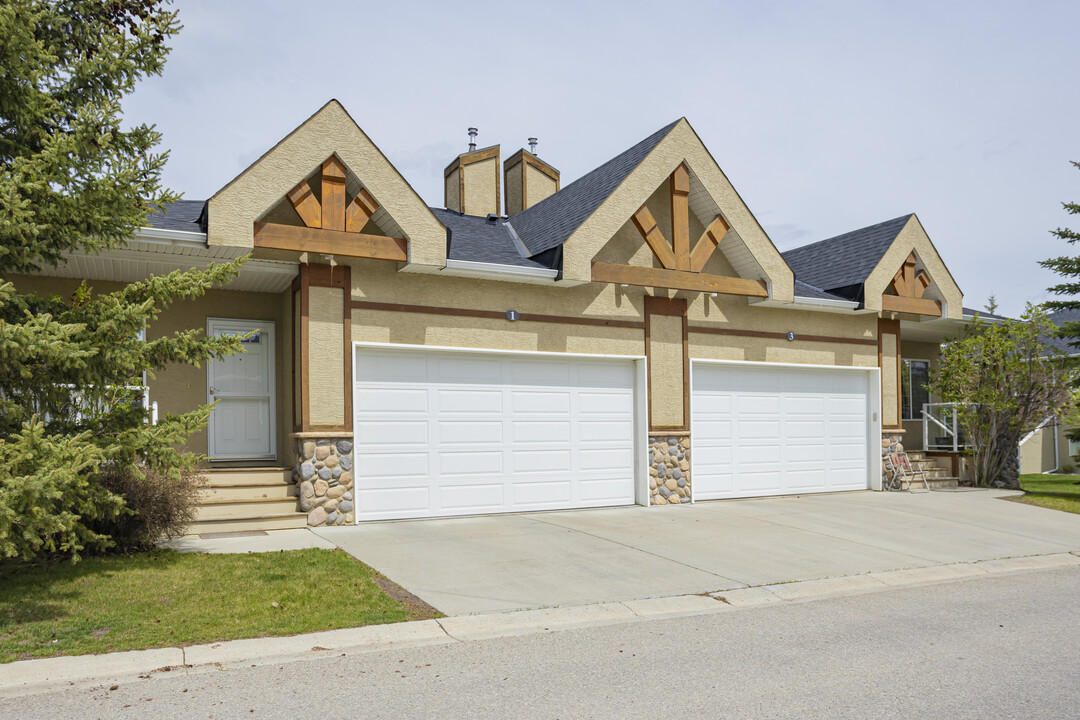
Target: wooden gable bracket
909, 287
681, 266
331, 228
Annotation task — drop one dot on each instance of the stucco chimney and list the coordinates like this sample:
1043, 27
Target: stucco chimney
471, 182
528, 180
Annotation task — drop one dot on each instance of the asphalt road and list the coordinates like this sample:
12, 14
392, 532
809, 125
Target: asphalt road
999, 647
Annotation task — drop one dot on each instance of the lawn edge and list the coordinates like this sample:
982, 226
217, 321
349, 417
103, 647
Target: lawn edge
28, 677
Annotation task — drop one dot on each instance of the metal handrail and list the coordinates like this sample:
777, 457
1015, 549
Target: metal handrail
951, 430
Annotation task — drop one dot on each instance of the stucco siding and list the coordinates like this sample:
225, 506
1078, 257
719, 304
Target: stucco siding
538, 185
326, 357
482, 187
666, 371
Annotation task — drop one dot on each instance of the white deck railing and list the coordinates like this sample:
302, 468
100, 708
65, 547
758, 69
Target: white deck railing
941, 427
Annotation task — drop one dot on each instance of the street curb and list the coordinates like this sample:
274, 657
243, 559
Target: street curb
31, 676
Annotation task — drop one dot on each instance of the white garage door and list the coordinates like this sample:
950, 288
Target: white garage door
778, 431
442, 433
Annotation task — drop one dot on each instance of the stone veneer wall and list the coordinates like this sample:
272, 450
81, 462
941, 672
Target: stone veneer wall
324, 472
669, 470
891, 441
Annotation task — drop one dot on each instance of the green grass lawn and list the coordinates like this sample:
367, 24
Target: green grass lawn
1057, 492
164, 598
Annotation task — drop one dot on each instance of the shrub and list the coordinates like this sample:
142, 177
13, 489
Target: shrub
156, 504
48, 494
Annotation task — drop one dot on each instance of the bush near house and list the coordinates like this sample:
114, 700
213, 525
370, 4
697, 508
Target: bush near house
1006, 380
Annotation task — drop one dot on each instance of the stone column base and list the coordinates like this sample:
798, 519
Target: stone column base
323, 469
669, 469
891, 441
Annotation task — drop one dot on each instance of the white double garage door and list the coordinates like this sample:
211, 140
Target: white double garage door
441, 432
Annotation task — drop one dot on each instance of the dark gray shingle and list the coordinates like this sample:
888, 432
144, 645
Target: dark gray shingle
845, 260
181, 215
806, 290
476, 239
551, 221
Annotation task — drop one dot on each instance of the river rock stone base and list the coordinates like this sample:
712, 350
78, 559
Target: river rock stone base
324, 473
669, 470
890, 442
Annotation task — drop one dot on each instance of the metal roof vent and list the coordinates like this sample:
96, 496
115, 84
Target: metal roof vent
472, 138
492, 217
532, 146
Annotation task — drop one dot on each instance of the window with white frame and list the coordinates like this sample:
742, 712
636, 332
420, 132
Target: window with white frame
914, 375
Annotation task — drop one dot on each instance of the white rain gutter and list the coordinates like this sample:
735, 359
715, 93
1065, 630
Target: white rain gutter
495, 271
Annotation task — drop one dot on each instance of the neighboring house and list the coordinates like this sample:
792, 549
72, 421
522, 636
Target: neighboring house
632, 337
1048, 448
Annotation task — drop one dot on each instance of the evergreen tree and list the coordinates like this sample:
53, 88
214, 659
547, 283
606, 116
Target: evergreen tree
1067, 266
75, 180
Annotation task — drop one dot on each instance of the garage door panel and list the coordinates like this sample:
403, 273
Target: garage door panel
468, 369
466, 432
375, 400
376, 434
607, 404
400, 369
527, 461
767, 431
604, 491
392, 464
605, 431
542, 374
548, 403
471, 463
394, 501
472, 497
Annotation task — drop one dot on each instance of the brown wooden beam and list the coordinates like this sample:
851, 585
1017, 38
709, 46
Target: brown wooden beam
360, 211
677, 280
922, 281
646, 225
680, 217
330, 242
913, 306
333, 194
708, 242
305, 204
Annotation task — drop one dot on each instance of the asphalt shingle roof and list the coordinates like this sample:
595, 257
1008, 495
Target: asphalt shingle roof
806, 290
477, 239
551, 221
181, 215
844, 260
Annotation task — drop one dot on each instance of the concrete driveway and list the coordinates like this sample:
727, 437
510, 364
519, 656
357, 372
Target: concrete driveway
507, 562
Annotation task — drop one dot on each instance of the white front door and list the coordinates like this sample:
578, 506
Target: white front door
242, 424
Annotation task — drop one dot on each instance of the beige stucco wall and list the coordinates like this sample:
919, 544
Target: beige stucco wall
326, 356
234, 208
180, 388
482, 187
681, 145
538, 184
890, 394
943, 287
514, 200
453, 190
666, 370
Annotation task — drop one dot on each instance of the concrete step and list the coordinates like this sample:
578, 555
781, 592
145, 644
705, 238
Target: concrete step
238, 510
249, 493
271, 521
226, 477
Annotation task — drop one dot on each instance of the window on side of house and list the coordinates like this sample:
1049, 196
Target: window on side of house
914, 374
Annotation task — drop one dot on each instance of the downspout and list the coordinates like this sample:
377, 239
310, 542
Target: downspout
1057, 457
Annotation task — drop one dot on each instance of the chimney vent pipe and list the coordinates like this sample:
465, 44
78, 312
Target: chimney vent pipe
472, 138
532, 146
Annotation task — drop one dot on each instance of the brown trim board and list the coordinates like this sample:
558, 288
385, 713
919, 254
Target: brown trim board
676, 307
890, 327
783, 336
494, 314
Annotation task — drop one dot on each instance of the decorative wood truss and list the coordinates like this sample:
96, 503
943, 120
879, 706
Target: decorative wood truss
909, 287
331, 227
681, 266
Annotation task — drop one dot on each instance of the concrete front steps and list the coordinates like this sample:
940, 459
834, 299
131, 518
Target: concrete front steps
937, 474
248, 499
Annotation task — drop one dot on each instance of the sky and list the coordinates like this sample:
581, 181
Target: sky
825, 116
